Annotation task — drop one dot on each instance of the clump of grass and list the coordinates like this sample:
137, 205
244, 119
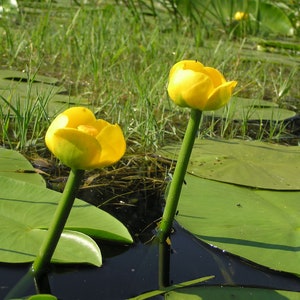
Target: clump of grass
23, 121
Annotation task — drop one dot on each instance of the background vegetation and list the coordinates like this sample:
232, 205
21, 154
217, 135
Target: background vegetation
117, 54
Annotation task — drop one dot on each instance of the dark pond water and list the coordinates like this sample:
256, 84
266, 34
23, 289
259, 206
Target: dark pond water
133, 270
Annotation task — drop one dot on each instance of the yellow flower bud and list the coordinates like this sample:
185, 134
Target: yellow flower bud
239, 15
193, 85
81, 141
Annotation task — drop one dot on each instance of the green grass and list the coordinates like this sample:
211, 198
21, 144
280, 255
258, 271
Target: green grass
119, 59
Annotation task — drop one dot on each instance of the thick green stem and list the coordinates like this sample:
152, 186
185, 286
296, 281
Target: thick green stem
174, 193
163, 264
179, 174
62, 212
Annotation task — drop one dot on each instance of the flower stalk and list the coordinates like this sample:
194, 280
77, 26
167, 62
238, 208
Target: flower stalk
174, 194
38, 270
59, 220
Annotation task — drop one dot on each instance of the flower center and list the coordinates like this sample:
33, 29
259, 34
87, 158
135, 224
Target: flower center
88, 129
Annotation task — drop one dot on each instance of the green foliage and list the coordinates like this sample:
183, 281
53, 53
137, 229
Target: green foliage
244, 109
42, 297
123, 76
250, 205
8, 8
274, 18
261, 16
27, 102
259, 225
93, 54
26, 211
22, 92
38, 297
227, 293
178, 286
249, 163
14, 166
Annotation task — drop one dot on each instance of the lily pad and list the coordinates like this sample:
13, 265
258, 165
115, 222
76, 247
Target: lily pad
14, 165
270, 57
259, 225
73, 246
228, 293
250, 163
252, 109
162, 291
26, 211
42, 297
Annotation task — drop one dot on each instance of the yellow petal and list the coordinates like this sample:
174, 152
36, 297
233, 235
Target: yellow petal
76, 116
59, 122
189, 88
72, 118
216, 77
193, 65
100, 124
220, 96
88, 129
190, 83
75, 149
197, 95
113, 145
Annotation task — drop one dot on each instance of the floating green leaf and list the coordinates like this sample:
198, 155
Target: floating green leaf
270, 57
14, 165
275, 45
42, 297
24, 243
177, 286
26, 211
252, 109
259, 225
37, 297
228, 293
249, 163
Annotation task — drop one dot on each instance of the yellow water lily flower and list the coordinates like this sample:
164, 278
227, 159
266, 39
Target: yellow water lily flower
193, 85
82, 142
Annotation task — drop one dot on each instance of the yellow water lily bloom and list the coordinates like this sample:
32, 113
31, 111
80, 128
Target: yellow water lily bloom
193, 85
82, 142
